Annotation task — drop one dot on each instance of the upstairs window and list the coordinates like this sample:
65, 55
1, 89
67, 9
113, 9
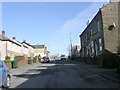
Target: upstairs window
100, 44
91, 32
86, 37
92, 47
98, 25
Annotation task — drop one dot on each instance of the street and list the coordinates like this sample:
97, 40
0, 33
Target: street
58, 74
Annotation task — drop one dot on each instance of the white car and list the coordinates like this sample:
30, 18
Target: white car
63, 57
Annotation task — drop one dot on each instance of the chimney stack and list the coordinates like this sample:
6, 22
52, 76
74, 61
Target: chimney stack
3, 33
13, 38
24, 40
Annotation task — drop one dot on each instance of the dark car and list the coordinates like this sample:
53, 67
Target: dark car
4, 75
45, 59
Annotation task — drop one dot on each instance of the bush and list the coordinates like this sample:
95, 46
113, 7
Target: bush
39, 57
15, 58
7, 58
35, 58
29, 58
7, 61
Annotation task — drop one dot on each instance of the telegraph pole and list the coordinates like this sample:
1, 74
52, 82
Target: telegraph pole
71, 44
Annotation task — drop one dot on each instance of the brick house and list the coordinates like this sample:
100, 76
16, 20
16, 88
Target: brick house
101, 38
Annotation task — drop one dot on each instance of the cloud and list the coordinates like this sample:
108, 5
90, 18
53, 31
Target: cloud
79, 22
75, 25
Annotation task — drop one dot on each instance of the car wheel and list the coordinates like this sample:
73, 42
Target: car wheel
7, 82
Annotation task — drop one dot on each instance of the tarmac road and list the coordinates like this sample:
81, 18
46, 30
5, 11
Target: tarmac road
58, 74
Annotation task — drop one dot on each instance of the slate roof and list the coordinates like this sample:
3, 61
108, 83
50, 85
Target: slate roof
38, 46
28, 44
4, 38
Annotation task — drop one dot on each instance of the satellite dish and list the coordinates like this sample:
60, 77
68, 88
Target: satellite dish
112, 26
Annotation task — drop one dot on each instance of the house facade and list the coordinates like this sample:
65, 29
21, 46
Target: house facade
9, 47
13, 48
100, 39
29, 49
40, 50
76, 51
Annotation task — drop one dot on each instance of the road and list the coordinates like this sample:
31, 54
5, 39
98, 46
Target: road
58, 74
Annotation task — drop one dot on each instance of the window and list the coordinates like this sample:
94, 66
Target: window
100, 44
94, 30
92, 47
96, 47
91, 32
86, 37
98, 25
82, 41
88, 50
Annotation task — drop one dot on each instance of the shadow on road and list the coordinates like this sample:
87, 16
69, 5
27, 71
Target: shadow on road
39, 72
38, 77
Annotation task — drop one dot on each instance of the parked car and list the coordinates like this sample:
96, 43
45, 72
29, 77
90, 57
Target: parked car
5, 77
45, 59
63, 57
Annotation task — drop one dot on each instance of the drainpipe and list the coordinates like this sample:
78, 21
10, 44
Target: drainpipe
119, 24
118, 28
6, 48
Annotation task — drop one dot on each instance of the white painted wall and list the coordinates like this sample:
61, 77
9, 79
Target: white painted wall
3, 50
0, 48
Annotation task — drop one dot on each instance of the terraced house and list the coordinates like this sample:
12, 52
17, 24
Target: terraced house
9, 47
13, 48
28, 50
41, 49
101, 38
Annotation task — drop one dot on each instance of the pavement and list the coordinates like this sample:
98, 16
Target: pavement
110, 74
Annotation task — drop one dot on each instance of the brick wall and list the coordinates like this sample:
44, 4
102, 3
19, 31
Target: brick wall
21, 61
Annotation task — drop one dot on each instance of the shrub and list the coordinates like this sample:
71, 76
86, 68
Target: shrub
15, 58
29, 58
39, 57
7, 58
7, 61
